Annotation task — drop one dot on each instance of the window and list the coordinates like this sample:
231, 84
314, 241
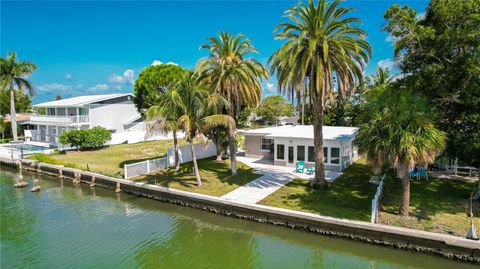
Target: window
311, 154
51, 111
300, 153
280, 152
83, 111
325, 155
335, 155
266, 143
290, 154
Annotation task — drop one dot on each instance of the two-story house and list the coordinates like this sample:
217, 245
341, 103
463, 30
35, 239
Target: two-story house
115, 112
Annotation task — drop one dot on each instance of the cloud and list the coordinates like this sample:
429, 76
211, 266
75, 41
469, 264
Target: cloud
386, 63
390, 39
78, 86
158, 62
68, 76
421, 15
98, 88
270, 86
127, 77
54, 87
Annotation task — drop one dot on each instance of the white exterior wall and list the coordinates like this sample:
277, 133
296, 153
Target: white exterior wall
345, 147
112, 116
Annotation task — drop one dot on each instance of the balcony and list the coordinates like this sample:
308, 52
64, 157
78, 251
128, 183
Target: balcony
45, 119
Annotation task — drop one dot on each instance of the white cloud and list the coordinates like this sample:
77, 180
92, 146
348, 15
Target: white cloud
68, 76
54, 87
158, 62
386, 63
421, 15
270, 86
98, 88
127, 77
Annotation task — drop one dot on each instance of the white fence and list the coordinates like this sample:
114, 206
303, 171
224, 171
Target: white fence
376, 201
185, 155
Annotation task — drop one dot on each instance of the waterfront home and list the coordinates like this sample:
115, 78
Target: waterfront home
115, 112
288, 144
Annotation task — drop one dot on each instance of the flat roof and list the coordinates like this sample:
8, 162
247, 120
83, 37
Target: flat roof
303, 131
81, 100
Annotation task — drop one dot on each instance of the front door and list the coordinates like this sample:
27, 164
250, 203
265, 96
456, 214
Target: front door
290, 154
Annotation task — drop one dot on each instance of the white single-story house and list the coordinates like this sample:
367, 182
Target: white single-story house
288, 144
115, 112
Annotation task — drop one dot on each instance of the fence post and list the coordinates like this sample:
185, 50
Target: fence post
125, 171
148, 166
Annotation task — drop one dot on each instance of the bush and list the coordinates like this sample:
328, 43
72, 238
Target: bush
86, 139
44, 158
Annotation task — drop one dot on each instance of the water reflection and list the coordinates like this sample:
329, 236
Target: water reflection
76, 226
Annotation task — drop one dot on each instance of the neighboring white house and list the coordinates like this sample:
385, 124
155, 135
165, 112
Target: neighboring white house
115, 112
286, 145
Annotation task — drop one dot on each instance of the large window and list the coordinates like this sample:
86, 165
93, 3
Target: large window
51, 111
335, 155
290, 154
266, 143
325, 154
311, 154
280, 152
300, 153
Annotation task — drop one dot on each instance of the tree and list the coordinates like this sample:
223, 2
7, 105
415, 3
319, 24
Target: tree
2, 127
273, 107
228, 72
320, 43
196, 104
164, 120
154, 81
58, 97
439, 58
87, 139
399, 126
22, 101
12, 76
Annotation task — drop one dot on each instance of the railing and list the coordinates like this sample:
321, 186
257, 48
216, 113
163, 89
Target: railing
59, 119
376, 201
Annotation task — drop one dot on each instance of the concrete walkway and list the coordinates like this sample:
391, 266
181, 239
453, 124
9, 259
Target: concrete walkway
273, 177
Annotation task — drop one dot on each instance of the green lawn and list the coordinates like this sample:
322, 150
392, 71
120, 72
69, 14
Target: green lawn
349, 196
216, 177
438, 205
110, 160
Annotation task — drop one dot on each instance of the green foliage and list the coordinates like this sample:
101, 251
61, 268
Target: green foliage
439, 53
44, 158
22, 101
86, 139
153, 81
273, 107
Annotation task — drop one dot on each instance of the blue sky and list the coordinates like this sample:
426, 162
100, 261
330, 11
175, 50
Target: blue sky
87, 47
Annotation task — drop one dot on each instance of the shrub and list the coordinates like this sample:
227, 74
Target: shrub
44, 158
86, 139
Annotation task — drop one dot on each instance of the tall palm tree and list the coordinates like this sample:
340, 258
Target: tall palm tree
382, 78
12, 77
400, 127
228, 72
163, 119
196, 104
320, 43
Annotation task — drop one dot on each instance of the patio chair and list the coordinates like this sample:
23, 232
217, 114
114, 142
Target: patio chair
311, 170
411, 174
422, 173
300, 167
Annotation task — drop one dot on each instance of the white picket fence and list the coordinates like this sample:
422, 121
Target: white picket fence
376, 201
185, 155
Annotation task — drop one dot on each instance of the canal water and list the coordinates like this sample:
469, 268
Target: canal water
75, 226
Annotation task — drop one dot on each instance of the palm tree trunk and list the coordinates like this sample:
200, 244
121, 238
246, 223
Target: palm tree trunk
219, 153
405, 203
13, 117
195, 166
319, 182
303, 104
232, 145
175, 146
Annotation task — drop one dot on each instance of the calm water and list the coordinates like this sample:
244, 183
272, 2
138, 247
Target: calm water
66, 226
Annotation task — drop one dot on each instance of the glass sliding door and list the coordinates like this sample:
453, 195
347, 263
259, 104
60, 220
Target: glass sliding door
300, 153
290, 154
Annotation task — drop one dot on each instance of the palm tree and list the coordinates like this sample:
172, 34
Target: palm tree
228, 72
196, 105
12, 76
320, 43
163, 119
382, 78
400, 127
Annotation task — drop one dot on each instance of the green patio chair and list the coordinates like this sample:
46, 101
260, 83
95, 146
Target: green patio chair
311, 170
300, 167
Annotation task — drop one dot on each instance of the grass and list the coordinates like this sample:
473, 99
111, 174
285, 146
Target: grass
349, 196
110, 160
438, 205
216, 177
